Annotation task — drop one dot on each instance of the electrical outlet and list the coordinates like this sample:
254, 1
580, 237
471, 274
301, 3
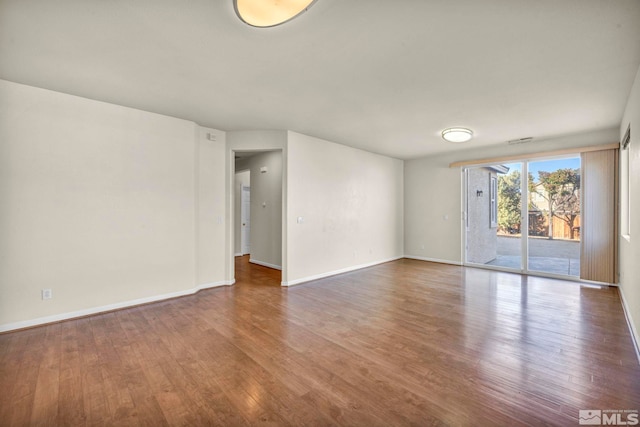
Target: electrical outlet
47, 294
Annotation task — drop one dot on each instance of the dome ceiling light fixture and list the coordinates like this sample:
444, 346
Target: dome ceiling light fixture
269, 13
457, 134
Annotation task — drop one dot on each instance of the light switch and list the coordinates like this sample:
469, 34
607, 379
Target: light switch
300, 220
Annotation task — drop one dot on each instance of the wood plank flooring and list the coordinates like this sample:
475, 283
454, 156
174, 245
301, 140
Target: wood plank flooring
403, 343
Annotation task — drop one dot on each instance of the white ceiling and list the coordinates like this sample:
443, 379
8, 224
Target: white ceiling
386, 76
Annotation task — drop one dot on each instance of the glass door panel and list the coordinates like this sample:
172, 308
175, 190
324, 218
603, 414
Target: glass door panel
493, 215
554, 216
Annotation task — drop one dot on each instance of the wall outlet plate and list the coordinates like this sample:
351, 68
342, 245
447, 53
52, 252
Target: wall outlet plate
47, 294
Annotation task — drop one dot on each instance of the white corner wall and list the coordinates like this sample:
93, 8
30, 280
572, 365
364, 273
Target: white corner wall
351, 205
630, 249
433, 193
210, 231
102, 204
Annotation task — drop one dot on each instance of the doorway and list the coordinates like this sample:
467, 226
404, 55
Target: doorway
245, 220
258, 211
525, 216
242, 212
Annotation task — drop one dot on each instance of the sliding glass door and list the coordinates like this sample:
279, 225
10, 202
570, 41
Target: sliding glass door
554, 216
540, 235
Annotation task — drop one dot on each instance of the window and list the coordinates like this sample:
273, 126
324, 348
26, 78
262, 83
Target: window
493, 189
625, 185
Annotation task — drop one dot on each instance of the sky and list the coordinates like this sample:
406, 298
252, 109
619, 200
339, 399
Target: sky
547, 165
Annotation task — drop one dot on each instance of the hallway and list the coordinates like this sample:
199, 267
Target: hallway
254, 275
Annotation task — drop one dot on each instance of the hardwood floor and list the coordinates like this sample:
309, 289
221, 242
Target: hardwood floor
402, 343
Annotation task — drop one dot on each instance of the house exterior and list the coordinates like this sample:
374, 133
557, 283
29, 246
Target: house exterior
482, 208
539, 217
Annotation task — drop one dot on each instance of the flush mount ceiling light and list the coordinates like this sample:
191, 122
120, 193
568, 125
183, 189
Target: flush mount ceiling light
457, 134
269, 13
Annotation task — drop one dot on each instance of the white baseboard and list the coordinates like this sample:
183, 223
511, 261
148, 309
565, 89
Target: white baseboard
340, 271
214, 285
632, 327
265, 264
109, 307
440, 261
239, 254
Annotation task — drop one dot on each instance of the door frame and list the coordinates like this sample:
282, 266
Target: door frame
230, 208
243, 214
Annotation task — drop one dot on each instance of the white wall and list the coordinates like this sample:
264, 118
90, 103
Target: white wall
351, 202
266, 209
210, 201
433, 207
242, 179
630, 249
100, 204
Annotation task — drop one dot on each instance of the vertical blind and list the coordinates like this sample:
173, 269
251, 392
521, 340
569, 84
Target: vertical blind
598, 258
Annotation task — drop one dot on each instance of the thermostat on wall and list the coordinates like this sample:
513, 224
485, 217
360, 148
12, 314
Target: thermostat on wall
263, 169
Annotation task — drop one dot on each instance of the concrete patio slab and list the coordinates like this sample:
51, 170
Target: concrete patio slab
545, 255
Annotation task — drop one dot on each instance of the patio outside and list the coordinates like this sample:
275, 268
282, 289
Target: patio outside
550, 256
